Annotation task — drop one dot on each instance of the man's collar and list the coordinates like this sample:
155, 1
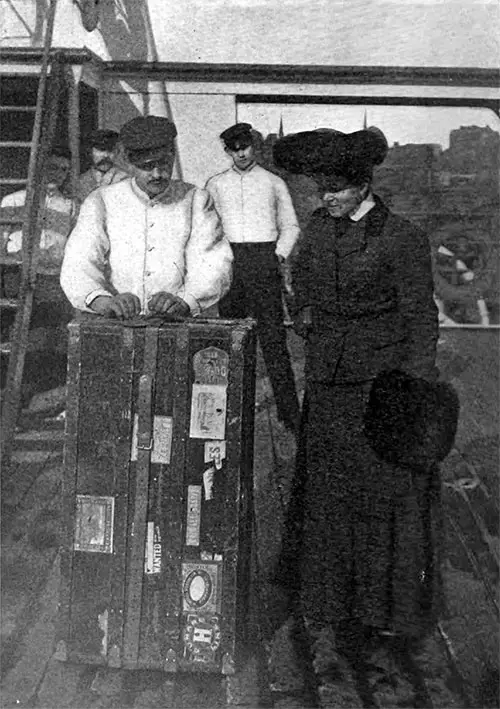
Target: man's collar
172, 193
365, 206
244, 172
97, 173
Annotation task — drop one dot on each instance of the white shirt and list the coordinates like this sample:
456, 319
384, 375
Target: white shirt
58, 217
255, 206
125, 242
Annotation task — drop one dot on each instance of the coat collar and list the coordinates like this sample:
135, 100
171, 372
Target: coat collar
376, 219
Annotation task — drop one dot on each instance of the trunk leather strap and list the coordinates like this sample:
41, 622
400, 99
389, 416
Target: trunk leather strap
135, 573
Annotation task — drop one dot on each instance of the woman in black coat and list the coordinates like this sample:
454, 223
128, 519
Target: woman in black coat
364, 549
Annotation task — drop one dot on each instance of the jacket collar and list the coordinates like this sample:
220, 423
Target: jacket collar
376, 219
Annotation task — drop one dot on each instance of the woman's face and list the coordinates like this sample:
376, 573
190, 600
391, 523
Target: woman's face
344, 202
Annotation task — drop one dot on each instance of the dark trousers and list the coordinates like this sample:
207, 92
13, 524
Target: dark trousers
256, 292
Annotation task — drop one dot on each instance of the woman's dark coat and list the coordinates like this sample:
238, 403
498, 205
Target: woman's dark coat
366, 527
371, 291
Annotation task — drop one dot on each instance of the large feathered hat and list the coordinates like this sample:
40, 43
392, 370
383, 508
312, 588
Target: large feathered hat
410, 421
332, 158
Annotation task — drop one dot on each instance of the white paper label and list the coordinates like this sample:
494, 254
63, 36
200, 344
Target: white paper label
162, 439
208, 411
215, 451
193, 516
208, 483
152, 562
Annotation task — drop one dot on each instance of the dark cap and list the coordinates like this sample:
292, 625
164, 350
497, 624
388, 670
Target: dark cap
103, 139
60, 151
239, 135
146, 136
334, 159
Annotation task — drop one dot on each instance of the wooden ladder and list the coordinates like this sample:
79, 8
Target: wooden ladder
46, 111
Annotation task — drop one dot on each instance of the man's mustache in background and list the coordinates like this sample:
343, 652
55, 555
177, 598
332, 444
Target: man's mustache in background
105, 162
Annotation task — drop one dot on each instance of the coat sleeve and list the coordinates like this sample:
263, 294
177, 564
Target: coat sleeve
208, 256
303, 270
415, 290
83, 271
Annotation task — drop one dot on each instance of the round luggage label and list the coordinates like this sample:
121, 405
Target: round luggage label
197, 588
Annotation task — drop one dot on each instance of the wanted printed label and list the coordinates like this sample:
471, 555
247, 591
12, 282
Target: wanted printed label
152, 562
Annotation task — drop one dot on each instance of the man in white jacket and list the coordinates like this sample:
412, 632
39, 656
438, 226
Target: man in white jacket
147, 245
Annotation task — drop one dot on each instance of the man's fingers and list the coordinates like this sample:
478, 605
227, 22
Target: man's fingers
161, 302
115, 310
153, 302
168, 304
128, 305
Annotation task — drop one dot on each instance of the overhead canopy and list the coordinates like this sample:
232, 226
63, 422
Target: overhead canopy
429, 33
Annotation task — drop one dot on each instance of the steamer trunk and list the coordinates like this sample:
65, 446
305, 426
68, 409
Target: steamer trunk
158, 494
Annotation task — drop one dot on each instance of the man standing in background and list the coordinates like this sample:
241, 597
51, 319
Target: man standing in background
103, 153
259, 221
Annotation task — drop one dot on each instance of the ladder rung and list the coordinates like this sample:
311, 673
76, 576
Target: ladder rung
29, 109
9, 303
39, 440
5, 348
11, 220
10, 261
12, 215
12, 181
15, 144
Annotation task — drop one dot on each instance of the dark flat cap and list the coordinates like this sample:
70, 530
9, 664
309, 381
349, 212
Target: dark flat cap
410, 421
103, 139
240, 133
145, 135
328, 153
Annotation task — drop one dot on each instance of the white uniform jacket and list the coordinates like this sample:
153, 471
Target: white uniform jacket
125, 242
255, 206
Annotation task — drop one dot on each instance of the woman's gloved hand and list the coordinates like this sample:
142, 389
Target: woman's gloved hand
302, 321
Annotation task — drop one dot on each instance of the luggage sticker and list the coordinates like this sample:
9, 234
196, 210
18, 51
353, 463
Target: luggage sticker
211, 366
162, 439
201, 583
94, 524
152, 562
208, 402
208, 483
193, 515
215, 451
202, 638
208, 411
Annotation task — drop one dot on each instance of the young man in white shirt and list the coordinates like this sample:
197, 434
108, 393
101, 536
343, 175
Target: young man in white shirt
103, 171
259, 221
59, 214
147, 245
45, 367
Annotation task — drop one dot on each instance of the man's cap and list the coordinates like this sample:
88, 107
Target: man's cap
103, 139
334, 159
60, 151
239, 135
145, 137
